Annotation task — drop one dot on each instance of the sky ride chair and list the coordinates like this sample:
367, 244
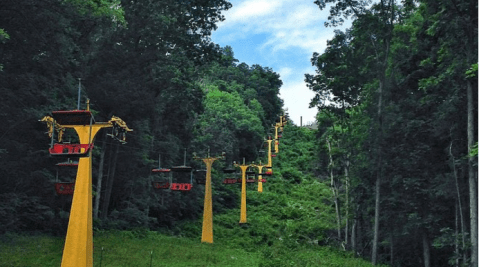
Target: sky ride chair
62, 118
232, 176
267, 172
182, 173
65, 188
250, 176
262, 154
163, 177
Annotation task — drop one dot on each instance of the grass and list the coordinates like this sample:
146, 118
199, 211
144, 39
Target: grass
147, 248
124, 248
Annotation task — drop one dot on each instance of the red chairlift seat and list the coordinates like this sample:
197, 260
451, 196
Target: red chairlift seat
273, 156
70, 150
64, 188
230, 171
262, 180
181, 186
250, 177
230, 181
267, 173
72, 117
161, 185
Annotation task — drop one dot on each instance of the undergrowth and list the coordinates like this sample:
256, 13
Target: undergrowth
287, 226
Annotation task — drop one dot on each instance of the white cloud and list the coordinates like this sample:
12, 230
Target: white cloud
285, 72
288, 24
273, 30
248, 10
296, 97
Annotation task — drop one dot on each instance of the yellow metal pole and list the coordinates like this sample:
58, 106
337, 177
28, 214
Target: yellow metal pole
260, 184
207, 231
243, 168
276, 139
243, 194
78, 250
270, 161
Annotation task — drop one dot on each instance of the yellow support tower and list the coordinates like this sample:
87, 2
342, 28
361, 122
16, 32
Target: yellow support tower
243, 168
78, 250
207, 230
260, 177
270, 161
282, 120
276, 146
276, 138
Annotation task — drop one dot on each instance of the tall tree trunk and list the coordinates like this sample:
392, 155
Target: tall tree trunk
472, 175
459, 202
335, 191
374, 255
426, 250
109, 185
346, 176
383, 64
359, 234
456, 234
353, 236
100, 177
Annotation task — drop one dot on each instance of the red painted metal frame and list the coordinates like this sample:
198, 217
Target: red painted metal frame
161, 185
70, 150
229, 181
181, 186
64, 188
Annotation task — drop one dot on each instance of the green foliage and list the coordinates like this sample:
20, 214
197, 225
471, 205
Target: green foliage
473, 151
4, 35
3, 38
412, 66
103, 8
226, 122
472, 72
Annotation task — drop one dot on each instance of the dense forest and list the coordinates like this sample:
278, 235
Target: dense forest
397, 94
390, 175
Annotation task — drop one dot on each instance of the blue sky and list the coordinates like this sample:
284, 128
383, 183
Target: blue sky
282, 35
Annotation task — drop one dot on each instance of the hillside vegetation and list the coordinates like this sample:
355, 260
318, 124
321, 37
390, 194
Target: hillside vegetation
288, 225
390, 174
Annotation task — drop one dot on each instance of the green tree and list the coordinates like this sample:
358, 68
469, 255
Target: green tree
229, 125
